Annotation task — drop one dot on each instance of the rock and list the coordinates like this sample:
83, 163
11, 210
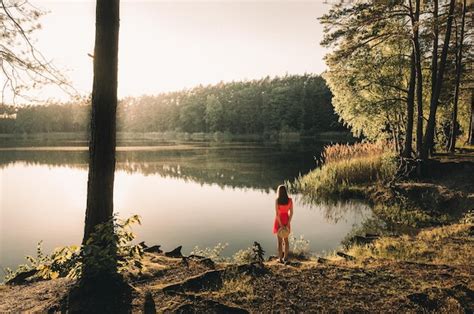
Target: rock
322, 260
272, 258
206, 261
362, 240
345, 256
213, 279
293, 263
175, 253
372, 235
22, 277
153, 249
209, 280
208, 306
194, 256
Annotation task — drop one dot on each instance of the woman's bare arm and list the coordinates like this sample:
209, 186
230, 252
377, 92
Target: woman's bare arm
291, 212
277, 213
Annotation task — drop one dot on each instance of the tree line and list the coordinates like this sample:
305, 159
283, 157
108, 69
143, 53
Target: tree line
293, 103
402, 70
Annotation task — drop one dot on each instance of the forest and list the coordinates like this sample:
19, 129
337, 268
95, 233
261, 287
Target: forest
402, 71
293, 103
399, 76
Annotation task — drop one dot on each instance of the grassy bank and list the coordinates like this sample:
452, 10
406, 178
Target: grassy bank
367, 171
347, 171
428, 272
447, 245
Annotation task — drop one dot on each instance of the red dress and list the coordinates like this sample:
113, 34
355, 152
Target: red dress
283, 212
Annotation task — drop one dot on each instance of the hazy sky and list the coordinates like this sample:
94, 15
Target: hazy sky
167, 46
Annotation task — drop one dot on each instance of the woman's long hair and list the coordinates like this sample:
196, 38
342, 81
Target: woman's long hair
282, 195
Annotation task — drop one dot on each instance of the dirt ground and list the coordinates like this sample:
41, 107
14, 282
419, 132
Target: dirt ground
301, 286
387, 285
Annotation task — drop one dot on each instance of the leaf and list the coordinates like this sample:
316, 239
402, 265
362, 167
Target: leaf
54, 275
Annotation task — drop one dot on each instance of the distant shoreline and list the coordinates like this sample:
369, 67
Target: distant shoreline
82, 138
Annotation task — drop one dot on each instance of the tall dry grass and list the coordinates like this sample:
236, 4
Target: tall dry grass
340, 152
448, 245
347, 168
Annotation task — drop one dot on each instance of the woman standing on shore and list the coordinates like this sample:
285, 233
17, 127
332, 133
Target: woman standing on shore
281, 226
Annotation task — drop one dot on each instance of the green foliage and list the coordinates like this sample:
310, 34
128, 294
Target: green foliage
23, 67
340, 174
368, 68
299, 247
51, 117
109, 249
468, 217
448, 245
63, 262
212, 253
402, 214
369, 64
297, 103
214, 114
243, 256
252, 254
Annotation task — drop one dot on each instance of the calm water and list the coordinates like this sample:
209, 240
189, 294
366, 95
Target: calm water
188, 193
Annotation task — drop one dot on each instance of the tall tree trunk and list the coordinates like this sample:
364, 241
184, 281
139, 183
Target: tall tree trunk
407, 150
434, 73
470, 140
100, 185
415, 18
454, 122
419, 81
430, 127
434, 58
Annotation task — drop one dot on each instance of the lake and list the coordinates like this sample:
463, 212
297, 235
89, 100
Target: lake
189, 193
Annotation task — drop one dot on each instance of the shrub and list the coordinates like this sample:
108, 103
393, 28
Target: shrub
250, 254
346, 167
107, 250
299, 247
212, 253
243, 256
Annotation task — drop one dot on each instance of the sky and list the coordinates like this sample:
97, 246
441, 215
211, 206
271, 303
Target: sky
171, 45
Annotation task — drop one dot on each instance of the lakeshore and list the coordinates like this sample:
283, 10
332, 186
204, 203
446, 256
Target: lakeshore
427, 270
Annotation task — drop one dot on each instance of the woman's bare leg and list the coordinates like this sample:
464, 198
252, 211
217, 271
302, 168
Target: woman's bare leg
287, 248
280, 247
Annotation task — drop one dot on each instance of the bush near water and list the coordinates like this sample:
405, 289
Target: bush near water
346, 169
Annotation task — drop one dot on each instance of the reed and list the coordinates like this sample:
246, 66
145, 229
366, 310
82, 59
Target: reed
346, 168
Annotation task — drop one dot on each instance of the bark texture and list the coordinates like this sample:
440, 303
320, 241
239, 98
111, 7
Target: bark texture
100, 184
428, 139
454, 120
407, 150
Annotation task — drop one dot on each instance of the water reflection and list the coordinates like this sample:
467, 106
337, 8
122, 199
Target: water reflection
190, 195
237, 165
335, 211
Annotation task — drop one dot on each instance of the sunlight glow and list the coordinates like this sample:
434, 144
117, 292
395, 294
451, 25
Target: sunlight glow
166, 46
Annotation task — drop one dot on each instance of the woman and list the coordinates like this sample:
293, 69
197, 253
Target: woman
284, 213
